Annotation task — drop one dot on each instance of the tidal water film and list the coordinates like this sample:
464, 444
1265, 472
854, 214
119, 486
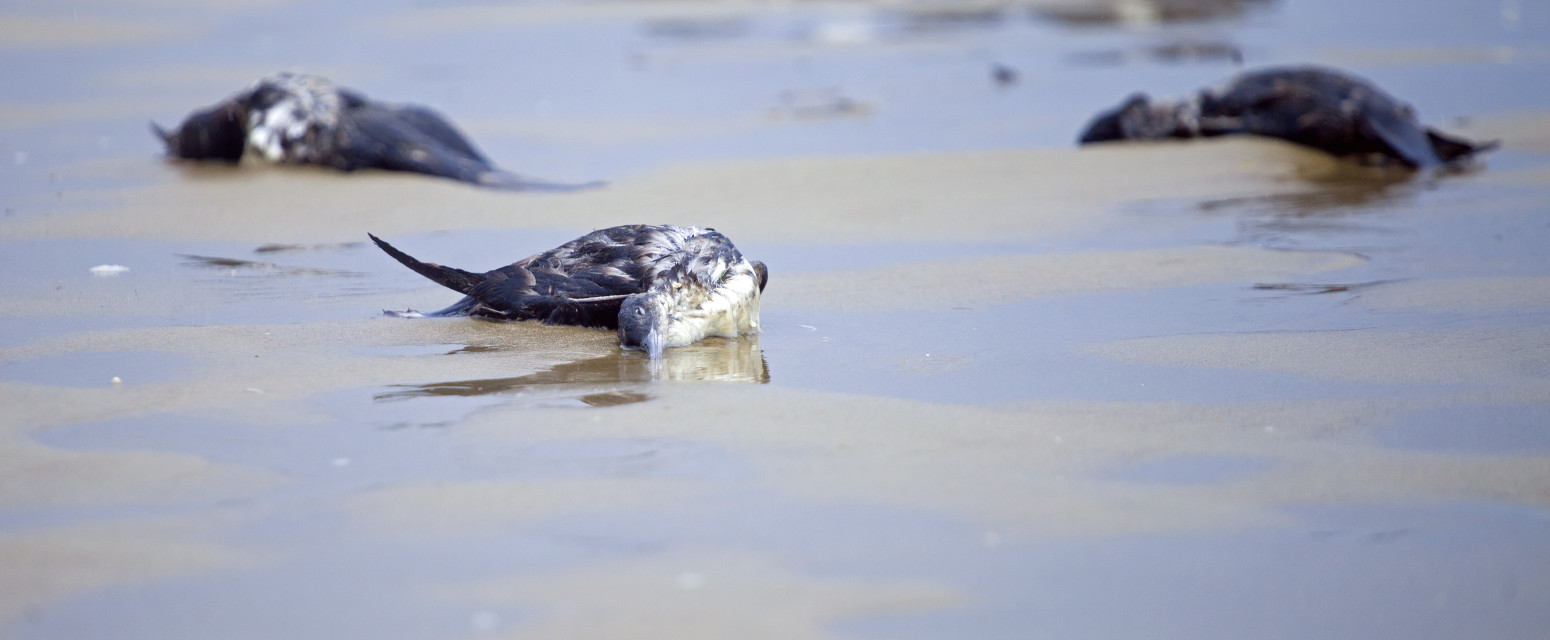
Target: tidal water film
1003, 386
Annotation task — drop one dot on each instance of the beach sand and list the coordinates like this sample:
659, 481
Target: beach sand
1206, 389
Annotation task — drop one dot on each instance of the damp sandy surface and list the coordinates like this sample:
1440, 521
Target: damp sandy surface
1004, 387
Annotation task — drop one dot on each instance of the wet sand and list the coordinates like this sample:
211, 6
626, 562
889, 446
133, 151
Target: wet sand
1231, 388
960, 197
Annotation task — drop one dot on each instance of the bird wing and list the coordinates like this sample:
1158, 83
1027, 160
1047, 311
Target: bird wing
455, 279
582, 282
372, 136
1324, 109
524, 291
433, 126
1393, 123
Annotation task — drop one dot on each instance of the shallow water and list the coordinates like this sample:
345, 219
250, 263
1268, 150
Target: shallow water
1004, 387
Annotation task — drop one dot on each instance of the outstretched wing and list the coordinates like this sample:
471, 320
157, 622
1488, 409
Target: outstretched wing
581, 289
372, 136
433, 126
517, 298
1319, 108
581, 283
1393, 124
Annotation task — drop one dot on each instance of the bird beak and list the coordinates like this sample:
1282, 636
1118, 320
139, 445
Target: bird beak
653, 344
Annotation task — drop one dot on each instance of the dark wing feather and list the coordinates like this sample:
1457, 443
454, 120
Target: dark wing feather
508, 290
433, 126
1323, 109
517, 293
351, 99
417, 140
455, 279
1292, 105
1398, 130
600, 314
375, 137
582, 282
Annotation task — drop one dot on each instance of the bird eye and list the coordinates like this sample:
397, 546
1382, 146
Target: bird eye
640, 312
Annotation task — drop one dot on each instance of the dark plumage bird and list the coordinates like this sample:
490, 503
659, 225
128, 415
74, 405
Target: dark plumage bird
1311, 106
659, 286
305, 119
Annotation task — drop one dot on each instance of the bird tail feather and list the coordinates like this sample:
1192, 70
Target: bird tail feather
455, 279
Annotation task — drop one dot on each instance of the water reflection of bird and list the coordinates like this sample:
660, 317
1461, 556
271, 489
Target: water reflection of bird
296, 118
1143, 13
611, 380
659, 286
1311, 106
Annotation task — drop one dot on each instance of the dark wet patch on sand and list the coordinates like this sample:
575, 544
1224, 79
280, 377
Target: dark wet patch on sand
1504, 429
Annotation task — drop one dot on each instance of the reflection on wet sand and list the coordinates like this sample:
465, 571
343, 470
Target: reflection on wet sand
217, 262
1333, 198
942, 17
614, 379
1145, 12
1339, 192
276, 247
696, 29
1175, 52
1308, 288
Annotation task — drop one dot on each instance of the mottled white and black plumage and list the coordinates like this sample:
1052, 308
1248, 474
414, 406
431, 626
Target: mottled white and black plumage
660, 286
297, 118
1312, 106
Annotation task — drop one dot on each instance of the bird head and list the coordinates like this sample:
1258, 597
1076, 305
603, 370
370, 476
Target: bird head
1119, 123
643, 319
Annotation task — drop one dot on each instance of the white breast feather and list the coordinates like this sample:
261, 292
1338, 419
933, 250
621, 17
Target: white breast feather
286, 131
269, 130
728, 310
